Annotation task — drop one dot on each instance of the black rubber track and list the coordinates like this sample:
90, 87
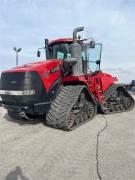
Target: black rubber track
117, 100
62, 107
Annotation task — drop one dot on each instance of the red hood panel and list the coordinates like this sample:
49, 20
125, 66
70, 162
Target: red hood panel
42, 68
36, 66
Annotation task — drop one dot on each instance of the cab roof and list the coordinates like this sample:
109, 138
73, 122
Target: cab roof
62, 40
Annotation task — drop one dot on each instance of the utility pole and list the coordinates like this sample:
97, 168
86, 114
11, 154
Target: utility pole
17, 51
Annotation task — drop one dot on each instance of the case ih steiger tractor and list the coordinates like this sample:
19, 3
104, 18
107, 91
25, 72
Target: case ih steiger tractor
65, 89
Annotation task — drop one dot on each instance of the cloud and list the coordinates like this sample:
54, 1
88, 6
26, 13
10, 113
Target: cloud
26, 23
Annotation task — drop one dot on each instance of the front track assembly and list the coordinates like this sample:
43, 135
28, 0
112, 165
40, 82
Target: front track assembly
72, 107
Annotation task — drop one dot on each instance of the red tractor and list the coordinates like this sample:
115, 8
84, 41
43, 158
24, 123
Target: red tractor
68, 89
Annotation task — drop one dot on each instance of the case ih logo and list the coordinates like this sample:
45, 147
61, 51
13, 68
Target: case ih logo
51, 71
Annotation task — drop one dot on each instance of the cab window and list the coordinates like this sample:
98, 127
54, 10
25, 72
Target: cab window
60, 51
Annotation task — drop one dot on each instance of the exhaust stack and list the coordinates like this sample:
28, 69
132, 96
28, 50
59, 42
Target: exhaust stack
76, 30
75, 49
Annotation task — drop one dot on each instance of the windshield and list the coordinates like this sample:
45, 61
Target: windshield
91, 55
60, 51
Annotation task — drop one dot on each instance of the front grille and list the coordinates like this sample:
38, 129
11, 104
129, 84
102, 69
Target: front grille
16, 82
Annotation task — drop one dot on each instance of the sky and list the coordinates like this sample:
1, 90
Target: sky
26, 23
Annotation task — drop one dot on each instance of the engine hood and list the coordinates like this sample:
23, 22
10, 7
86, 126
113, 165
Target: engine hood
49, 71
36, 66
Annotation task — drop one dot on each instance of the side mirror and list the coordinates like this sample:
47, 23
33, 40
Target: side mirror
98, 62
46, 43
38, 53
92, 44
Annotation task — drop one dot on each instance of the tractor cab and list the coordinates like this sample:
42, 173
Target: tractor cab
88, 54
57, 49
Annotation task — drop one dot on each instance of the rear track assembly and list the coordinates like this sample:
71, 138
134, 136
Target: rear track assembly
117, 100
